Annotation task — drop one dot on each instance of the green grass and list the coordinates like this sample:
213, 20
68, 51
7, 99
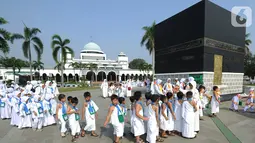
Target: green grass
70, 89
249, 85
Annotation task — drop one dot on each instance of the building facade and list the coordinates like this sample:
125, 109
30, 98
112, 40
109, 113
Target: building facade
112, 70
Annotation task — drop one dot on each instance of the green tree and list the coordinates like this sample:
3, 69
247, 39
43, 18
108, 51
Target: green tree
59, 45
4, 37
136, 63
38, 65
249, 65
74, 65
30, 39
148, 40
15, 64
248, 42
58, 67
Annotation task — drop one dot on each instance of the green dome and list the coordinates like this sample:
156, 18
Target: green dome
91, 47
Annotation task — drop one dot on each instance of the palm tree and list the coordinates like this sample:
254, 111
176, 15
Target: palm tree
58, 67
13, 63
74, 65
248, 42
149, 41
4, 37
30, 38
38, 65
57, 45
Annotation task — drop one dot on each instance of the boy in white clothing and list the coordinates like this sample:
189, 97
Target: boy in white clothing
116, 117
61, 114
89, 110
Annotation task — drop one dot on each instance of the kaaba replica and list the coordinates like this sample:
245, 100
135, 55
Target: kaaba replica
201, 42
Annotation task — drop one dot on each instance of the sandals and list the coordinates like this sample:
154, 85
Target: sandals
73, 139
94, 135
159, 140
82, 133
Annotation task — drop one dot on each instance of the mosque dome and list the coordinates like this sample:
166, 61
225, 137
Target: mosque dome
92, 47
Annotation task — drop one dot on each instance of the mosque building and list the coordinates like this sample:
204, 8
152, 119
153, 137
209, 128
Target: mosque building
112, 70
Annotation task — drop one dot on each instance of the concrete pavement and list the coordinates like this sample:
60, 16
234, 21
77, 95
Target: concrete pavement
241, 125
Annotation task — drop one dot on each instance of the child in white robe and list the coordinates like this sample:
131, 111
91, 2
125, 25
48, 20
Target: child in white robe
16, 101
129, 88
122, 104
171, 114
61, 114
153, 122
163, 116
37, 113
116, 117
52, 90
5, 106
111, 89
250, 101
74, 118
204, 98
178, 113
132, 107
139, 119
235, 103
89, 110
215, 101
25, 113
188, 114
48, 115
145, 108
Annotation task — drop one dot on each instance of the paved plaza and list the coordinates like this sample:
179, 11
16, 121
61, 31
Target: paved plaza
240, 125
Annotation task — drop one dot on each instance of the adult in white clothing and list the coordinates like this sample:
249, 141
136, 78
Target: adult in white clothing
104, 88
167, 86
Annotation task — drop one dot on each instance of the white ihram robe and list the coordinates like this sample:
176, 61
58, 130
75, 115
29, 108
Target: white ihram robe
138, 123
111, 91
215, 106
73, 123
118, 128
178, 113
104, 88
152, 129
90, 118
163, 122
188, 116
234, 106
167, 88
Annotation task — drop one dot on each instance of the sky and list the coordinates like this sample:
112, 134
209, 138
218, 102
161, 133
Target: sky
115, 25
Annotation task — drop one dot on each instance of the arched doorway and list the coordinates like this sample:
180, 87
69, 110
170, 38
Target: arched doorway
101, 76
123, 77
91, 76
58, 78
141, 77
136, 76
70, 77
111, 76
127, 76
37, 75
132, 76
44, 76
77, 77
65, 78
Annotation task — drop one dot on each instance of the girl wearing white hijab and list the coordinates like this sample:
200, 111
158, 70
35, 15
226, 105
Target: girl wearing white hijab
25, 113
158, 88
47, 106
167, 86
129, 88
38, 113
111, 89
50, 91
196, 98
4, 103
104, 88
16, 101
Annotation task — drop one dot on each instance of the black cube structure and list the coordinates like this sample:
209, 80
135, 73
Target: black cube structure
201, 42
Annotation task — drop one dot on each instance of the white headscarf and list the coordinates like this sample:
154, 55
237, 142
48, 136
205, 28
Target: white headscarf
158, 81
251, 89
182, 80
36, 98
191, 79
169, 79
